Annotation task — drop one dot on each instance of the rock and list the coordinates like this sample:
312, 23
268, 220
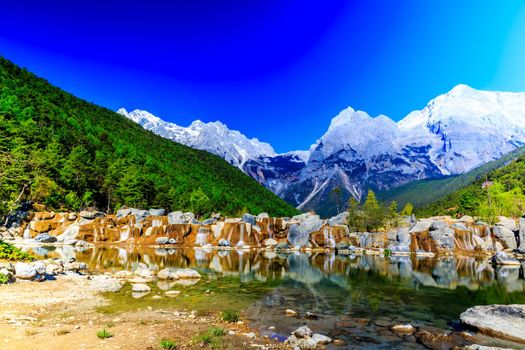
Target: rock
339, 342
521, 235
172, 241
508, 223
140, 288
503, 321
173, 292
270, 242
189, 217
460, 226
306, 344
443, 237
501, 258
290, 312
250, 335
104, 284
186, 274
249, 218
506, 237
403, 328
70, 233
75, 266
224, 243
262, 216
321, 339
157, 212
24, 271
341, 219
210, 221
303, 332
90, 215
123, 213
299, 234
482, 347
466, 218
6, 272
165, 274
39, 267
438, 224
421, 226
54, 269
311, 316
45, 238
162, 240
176, 217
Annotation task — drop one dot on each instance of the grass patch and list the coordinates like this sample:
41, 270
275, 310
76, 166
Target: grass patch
12, 253
212, 337
104, 334
4, 279
167, 344
230, 316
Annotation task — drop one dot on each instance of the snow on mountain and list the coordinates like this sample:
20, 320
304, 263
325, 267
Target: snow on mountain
214, 137
454, 133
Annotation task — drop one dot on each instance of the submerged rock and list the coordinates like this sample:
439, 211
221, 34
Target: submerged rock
503, 321
140, 288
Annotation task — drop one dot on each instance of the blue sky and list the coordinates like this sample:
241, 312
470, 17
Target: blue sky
276, 70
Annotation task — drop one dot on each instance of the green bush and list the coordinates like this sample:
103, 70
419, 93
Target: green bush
212, 337
3, 279
12, 253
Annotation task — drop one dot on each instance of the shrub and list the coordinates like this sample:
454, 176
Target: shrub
3, 279
230, 316
104, 334
211, 337
10, 252
167, 344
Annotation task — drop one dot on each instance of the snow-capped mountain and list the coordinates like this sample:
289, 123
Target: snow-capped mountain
454, 133
214, 137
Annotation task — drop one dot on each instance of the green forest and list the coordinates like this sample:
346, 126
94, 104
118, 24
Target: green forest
499, 192
69, 154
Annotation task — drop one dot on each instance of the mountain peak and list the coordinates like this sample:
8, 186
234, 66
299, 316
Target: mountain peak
461, 89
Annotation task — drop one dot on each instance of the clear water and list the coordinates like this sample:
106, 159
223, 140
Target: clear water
356, 298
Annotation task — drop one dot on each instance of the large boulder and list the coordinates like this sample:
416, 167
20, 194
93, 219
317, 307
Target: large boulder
299, 234
90, 215
443, 237
249, 218
176, 217
123, 213
341, 219
25, 271
506, 237
508, 223
70, 233
45, 238
157, 212
421, 226
186, 274
503, 321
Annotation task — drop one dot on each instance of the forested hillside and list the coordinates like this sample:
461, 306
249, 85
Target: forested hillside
66, 153
425, 192
499, 192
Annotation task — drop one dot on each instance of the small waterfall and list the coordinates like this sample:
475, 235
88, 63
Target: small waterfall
363, 239
27, 233
329, 240
241, 236
124, 235
202, 236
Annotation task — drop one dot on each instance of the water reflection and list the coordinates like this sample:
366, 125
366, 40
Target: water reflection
309, 269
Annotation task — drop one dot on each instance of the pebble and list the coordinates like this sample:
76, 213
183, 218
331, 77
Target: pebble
403, 328
290, 312
339, 342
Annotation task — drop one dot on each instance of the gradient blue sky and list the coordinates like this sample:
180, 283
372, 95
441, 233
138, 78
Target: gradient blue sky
276, 70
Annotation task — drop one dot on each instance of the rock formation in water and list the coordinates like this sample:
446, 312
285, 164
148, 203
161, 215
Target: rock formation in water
428, 236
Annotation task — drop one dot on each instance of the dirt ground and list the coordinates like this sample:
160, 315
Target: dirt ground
62, 314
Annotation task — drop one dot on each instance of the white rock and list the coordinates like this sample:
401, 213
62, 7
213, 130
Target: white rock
140, 288
321, 339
